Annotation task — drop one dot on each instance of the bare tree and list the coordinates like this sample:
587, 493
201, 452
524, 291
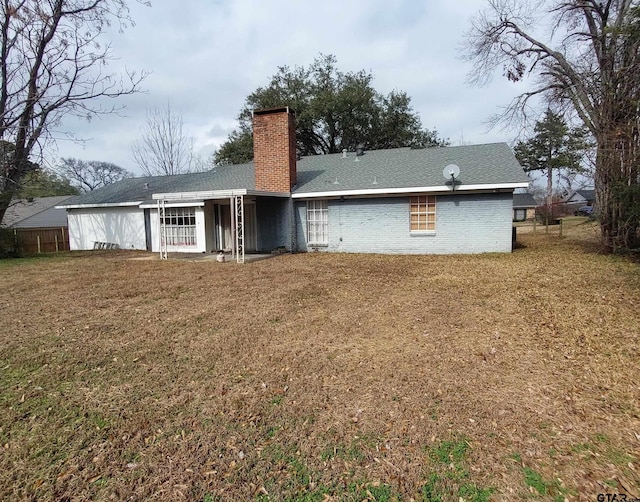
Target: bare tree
88, 175
164, 149
52, 64
589, 66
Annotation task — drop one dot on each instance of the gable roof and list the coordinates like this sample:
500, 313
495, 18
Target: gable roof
588, 194
398, 170
39, 212
523, 200
582, 195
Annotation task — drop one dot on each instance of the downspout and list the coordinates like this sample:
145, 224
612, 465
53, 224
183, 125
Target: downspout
232, 224
292, 226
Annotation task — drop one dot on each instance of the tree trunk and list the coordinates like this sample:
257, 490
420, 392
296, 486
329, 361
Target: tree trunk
5, 200
549, 191
618, 188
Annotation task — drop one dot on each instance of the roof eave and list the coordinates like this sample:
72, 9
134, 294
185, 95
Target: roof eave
105, 204
216, 194
406, 190
173, 203
206, 194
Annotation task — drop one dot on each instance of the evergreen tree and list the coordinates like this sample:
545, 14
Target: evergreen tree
554, 146
42, 183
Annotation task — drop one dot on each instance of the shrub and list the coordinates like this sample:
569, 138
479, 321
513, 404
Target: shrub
8, 244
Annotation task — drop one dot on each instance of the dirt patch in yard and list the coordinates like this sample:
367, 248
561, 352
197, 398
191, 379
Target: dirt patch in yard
315, 377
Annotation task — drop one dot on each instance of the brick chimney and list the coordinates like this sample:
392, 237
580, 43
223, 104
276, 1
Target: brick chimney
274, 149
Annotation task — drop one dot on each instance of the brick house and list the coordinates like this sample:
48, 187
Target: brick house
384, 201
524, 207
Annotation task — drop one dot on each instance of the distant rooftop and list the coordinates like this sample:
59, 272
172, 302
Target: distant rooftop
38, 212
523, 200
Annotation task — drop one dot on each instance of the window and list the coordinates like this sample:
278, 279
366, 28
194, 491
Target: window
423, 213
317, 223
179, 226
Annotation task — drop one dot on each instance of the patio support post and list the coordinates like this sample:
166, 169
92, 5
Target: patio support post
162, 230
239, 224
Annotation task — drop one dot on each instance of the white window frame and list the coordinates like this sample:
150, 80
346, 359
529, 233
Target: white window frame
422, 214
317, 223
180, 228
520, 214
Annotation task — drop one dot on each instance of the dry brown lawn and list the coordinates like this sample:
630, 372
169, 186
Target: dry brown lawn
322, 377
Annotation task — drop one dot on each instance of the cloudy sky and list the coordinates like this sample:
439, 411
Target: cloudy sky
206, 56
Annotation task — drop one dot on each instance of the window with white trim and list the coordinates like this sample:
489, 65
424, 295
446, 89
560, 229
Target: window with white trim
317, 223
179, 226
422, 213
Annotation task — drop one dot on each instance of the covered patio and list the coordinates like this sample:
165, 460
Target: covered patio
238, 223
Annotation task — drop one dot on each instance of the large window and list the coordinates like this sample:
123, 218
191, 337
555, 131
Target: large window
423, 213
317, 223
179, 226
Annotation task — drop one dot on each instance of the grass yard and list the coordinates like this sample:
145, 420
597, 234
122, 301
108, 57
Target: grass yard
319, 377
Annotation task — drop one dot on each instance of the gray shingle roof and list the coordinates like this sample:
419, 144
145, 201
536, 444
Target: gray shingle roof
523, 200
38, 213
141, 189
405, 167
489, 164
589, 195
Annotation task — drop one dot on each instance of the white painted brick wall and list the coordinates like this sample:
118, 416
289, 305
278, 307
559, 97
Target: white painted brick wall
119, 225
465, 223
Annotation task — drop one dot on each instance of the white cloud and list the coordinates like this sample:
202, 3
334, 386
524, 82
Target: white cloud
206, 57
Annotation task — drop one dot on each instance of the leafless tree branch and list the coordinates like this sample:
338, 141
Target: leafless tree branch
163, 148
90, 175
52, 65
590, 68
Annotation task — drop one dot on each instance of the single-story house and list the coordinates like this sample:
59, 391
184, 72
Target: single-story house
524, 207
39, 224
432, 200
582, 198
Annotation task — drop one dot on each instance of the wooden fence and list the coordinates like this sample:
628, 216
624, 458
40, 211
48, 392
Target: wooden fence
42, 240
557, 227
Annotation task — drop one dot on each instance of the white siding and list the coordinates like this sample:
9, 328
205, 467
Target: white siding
119, 225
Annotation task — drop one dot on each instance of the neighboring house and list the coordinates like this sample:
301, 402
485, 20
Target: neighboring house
582, 198
39, 224
385, 201
524, 207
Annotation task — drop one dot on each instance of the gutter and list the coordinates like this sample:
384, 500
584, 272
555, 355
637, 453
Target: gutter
407, 190
216, 194
106, 204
